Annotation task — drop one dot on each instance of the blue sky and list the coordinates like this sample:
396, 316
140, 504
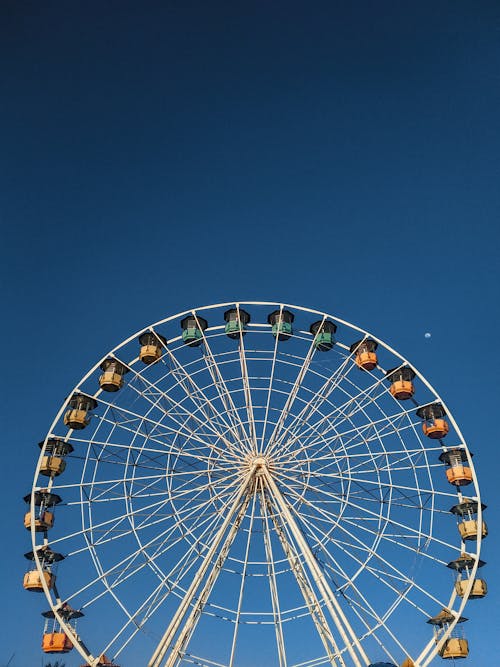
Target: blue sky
163, 156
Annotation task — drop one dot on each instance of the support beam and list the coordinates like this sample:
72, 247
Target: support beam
186, 602
275, 435
308, 594
238, 429
345, 630
271, 573
190, 624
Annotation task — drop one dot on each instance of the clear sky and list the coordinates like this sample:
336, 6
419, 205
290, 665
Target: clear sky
163, 155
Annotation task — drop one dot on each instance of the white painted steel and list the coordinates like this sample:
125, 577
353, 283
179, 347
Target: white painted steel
256, 459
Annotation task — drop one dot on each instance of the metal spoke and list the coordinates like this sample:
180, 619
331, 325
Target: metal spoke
239, 432
285, 412
173, 404
270, 387
247, 390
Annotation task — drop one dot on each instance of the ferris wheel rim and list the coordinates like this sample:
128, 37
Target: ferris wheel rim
282, 306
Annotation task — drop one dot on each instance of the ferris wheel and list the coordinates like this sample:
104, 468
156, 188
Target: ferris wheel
250, 484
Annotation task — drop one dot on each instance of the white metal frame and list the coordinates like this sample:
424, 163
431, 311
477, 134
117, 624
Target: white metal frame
297, 450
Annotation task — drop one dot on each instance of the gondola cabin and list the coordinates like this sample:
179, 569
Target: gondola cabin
462, 567
401, 380
44, 502
469, 529
112, 377
152, 345
468, 525
465, 561
455, 646
365, 351
56, 642
33, 579
477, 591
44, 520
53, 463
192, 330
55, 639
434, 425
77, 417
324, 335
236, 320
457, 472
281, 324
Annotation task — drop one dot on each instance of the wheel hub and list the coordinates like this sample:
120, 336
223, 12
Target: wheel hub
258, 463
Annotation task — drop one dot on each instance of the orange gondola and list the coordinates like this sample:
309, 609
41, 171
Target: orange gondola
401, 380
55, 639
434, 426
457, 472
366, 357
